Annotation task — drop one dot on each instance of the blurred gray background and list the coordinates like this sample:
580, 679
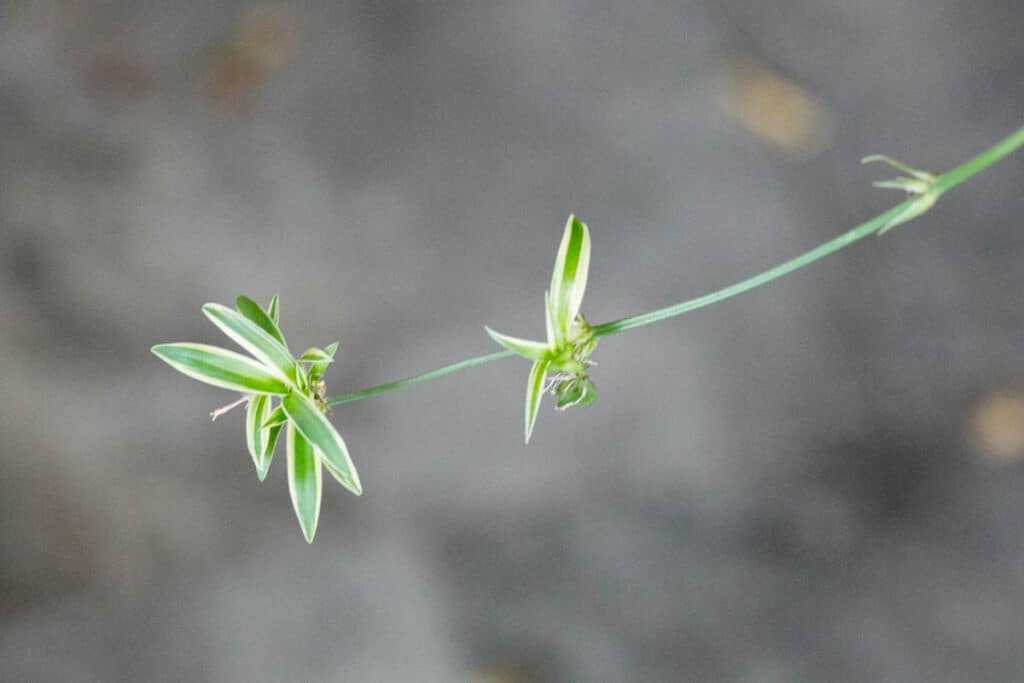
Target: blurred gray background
818, 481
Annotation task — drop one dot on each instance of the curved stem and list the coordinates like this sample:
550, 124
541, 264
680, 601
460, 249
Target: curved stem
945, 182
416, 379
807, 258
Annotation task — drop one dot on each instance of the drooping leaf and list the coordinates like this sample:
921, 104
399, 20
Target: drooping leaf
277, 417
253, 339
531, 350
221, 368
534, 392
251, 310
260, 439
569, 279
254, 432
305, 481
268, 449
313, 425
274, 311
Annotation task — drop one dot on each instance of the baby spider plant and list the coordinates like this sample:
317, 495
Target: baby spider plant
560, 363
312, 443
919, 185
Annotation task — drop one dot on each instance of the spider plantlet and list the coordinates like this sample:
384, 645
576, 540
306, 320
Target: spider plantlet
560, 363
917, 183
312, 443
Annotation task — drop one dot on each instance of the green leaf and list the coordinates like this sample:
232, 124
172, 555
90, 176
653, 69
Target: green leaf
273, 311
531, 350
589, 394
300, 374
253, 339
254, 417
338, 476
221, 368
569, 279
305, 481
534, 392
319, 368
275, 418
314, 354
260, 439
268, 449
555, 338
569, 392
578, 391
306, 416
251, 310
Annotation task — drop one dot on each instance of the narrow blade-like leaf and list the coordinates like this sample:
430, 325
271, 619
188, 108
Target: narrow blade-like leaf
253, 339
534, 391
254, 418
221, 368
259, 438
306, 416
305, 481
555, 339
331, 349
900, 166
569, 279
531, 350
251, 310
268, 450
275, 418
274, 311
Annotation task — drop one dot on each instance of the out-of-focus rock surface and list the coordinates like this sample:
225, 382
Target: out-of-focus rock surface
816, 481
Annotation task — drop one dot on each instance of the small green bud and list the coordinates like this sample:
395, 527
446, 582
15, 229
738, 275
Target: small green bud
920, 184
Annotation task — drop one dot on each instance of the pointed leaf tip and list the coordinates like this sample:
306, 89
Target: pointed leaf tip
569, 278
534, 393
531, 350
277, 417
305, 481
260, 438
252, 310
274, 311
273, 434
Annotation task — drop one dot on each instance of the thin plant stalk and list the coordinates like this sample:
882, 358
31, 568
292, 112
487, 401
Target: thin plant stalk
942, 183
